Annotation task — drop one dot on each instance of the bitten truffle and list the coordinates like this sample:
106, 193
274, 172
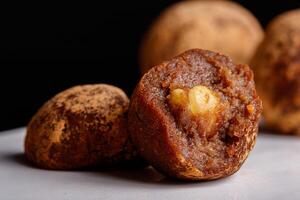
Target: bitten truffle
277, 73
221, 26
82, 126
195, 117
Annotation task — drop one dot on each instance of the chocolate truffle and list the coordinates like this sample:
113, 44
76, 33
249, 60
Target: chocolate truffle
79, 127
221, 26
277, 73
195, 117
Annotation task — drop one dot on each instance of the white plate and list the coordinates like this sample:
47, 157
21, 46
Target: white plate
272, 171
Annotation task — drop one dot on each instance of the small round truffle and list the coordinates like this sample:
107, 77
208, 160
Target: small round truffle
221, 26
79, 127
195, 117
276, 66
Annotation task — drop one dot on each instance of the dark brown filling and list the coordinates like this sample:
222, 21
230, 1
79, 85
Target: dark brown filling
209, 141
219, 137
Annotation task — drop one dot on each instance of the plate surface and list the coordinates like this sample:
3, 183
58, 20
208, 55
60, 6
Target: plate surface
272, 171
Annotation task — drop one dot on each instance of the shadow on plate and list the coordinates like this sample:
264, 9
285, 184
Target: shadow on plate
148, 175
18, 158
263, 128
133, 173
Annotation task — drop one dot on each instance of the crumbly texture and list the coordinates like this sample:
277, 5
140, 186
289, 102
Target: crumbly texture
82, 126
220, 26
181, 146
277, 70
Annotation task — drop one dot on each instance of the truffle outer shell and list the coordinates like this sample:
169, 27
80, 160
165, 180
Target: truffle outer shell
79, 127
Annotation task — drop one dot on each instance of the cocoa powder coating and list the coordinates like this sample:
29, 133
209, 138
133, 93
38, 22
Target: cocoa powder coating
82, 126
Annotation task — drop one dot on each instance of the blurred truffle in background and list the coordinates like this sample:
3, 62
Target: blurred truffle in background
221, 26
276, 66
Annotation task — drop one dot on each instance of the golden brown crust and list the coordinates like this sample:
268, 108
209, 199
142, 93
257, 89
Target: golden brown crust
277, 69
177, 150
82, 126
220, 26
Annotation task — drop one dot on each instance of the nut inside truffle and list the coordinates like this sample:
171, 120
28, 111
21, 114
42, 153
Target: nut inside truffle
195, 116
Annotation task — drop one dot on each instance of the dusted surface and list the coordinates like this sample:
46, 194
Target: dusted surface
270, 172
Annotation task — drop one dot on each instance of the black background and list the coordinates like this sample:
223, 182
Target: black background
48, 47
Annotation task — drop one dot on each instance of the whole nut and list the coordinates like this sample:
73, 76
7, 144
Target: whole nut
202, 100
199, 104
199, 99
178, 97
